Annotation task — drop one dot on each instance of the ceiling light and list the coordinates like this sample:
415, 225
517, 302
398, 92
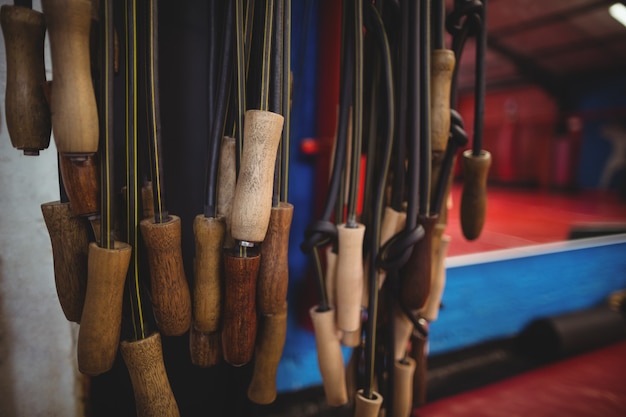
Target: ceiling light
618, 12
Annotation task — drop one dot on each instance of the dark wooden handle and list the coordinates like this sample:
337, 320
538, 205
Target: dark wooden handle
474, 195
153, 393
274, 270
73, 102
69, 238
418, 353
416, 273
169, 289
205, 349
239, 325
100, 323
26, 107
81, 178
209, 235
269, 349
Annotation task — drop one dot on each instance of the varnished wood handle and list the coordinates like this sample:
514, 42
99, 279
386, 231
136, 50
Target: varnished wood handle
205, 349
367, 407
69, 238
349, 280
418, 353
239, 325
100, 323
273, 278
329, 356
209, 235
73, 102
253, 194
402, 396
474, 195
153, 393
431, 309
226, 183
26, 108
268, 351
81, 178
170, 296
416, 273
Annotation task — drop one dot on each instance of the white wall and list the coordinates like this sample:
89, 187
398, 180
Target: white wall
38, 374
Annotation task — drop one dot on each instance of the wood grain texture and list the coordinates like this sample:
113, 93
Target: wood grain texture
329, 356
169, 289
208, 286
81, 178
239, 324
253, 194
100, 323
273, 278
73, 102
367, 407
415, 275
226, 183
69, 238
269, 349
474, 195
153, 393
205, 349
402, 395
350, 275
442, 66
26, 107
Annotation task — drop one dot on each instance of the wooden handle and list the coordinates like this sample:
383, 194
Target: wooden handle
474, 195
367, 407
226, 182
442, 66
253, 193
69, 238
416, 273
273, 279
331, 275
393, 222
144, 361
81, 178
239, 325
26, 108
269, 349
402, 329
100, 323
169, 289
349, 280
147, 201
329, 356
205, 349
402, 396
73, 103
209, 235
418, 353
431, 309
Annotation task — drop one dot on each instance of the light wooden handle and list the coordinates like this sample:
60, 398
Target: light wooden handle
100, 323
209, 235
81, 178
349, 280
26, 108
331, 275
226, 182
474, 195
144, 361
442, 66
393, 222
416, 273
402, 396
239, 325
329, 356
253, 193
205, 349
269, 349
431, 309
273, 278
402, 329
73, 102
69, 238
367, 407
170, 296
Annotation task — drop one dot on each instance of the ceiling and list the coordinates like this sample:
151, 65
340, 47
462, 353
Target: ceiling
552, 43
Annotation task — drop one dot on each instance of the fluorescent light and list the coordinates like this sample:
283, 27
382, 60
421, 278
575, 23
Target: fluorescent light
618, 12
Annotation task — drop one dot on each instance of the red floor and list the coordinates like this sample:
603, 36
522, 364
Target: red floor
520, 217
